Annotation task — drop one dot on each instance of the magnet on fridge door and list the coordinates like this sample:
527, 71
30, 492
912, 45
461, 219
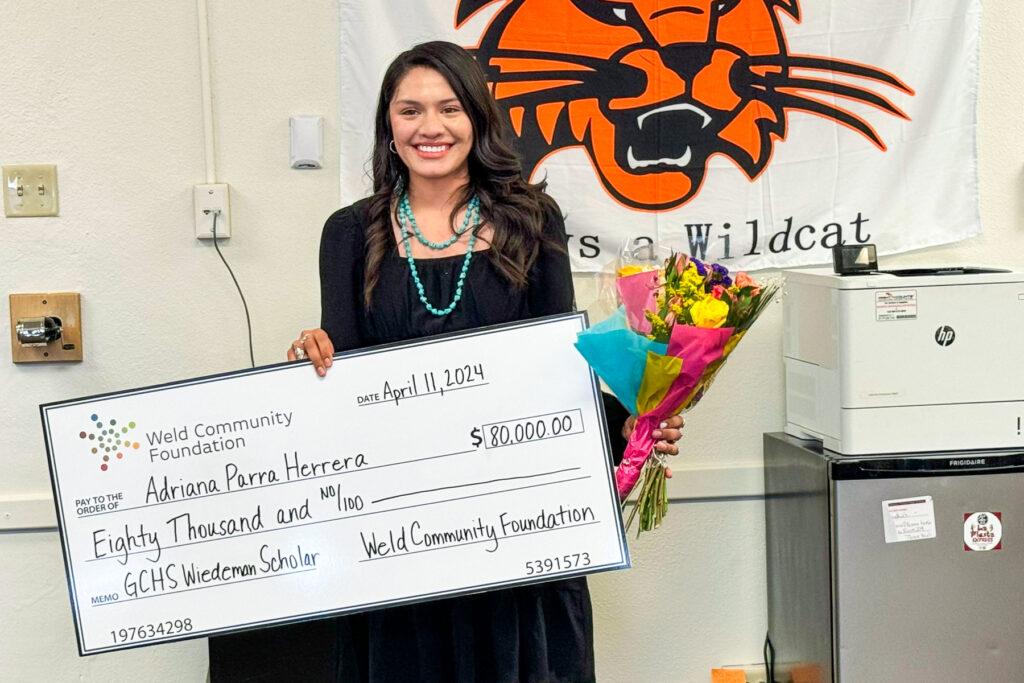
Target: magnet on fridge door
983, 531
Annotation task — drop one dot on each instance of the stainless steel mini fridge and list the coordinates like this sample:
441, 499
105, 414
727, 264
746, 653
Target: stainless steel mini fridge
903, 568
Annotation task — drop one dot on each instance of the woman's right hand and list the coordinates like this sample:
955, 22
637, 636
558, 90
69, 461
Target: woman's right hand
314, 346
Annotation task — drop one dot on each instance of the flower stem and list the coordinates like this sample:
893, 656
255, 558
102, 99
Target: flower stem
652, 500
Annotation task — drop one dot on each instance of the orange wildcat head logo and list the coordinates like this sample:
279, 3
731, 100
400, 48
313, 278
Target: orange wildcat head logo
651, 89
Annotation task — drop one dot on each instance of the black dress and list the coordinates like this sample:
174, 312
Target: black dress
542, 632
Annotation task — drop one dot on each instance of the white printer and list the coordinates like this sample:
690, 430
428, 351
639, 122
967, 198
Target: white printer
902, 361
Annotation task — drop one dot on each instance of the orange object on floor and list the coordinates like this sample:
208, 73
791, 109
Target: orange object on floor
807, 673
728, 676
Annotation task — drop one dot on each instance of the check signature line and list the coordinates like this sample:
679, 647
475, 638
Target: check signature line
483, 540
439, 392
476, 483
199, 588
118, 556
280, 483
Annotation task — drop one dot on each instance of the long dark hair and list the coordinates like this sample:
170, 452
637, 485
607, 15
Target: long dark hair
515, 209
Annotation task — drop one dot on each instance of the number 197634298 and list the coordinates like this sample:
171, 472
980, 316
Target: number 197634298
148, 631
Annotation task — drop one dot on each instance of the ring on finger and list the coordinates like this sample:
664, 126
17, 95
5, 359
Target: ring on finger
300, 352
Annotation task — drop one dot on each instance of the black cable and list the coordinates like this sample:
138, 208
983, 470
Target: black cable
248, 322
769, 659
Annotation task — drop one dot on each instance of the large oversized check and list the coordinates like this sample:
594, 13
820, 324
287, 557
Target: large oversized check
412, 472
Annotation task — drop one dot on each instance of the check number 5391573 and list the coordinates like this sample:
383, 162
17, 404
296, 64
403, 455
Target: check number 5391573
557, 564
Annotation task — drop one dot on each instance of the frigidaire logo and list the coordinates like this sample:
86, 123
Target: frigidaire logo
945, 335
966, 462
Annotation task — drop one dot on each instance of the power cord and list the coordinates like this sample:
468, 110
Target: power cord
248, 322
769, 659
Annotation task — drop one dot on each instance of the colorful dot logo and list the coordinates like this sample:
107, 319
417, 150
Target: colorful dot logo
109, 439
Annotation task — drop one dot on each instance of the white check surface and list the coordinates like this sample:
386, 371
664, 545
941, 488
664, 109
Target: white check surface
419, 471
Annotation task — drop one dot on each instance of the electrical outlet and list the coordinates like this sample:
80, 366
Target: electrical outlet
208, 199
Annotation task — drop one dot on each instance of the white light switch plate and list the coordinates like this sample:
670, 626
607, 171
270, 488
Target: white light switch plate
30, 190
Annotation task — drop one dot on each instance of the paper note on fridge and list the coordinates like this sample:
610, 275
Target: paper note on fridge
908, 519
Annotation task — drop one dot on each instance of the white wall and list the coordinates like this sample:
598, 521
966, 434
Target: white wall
109, 91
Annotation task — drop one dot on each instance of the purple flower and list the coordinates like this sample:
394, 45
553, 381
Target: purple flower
701, 268
720, 275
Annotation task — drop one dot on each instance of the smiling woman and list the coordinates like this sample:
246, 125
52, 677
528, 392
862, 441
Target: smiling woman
400, 265
432, 132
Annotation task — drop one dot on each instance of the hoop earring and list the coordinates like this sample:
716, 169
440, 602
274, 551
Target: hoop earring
391, 146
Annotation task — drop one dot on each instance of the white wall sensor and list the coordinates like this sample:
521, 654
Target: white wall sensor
307, 141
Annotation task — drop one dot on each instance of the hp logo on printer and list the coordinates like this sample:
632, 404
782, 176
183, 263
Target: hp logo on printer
945, 335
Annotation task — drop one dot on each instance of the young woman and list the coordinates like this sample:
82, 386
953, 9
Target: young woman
452, 238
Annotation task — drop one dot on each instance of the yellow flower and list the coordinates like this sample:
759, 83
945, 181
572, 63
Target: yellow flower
626, 271
692, 278
709, 312
659, 328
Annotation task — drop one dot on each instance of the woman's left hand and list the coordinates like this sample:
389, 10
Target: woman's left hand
667, 434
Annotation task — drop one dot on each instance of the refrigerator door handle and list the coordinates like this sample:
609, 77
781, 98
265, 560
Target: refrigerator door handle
946, 471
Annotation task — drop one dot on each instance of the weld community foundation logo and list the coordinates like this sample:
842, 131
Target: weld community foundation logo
110, 440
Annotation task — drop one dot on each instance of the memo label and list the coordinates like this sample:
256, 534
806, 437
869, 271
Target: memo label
896, 304
908, 519
983, 531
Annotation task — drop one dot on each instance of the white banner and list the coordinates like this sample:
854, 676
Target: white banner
422, 470
759, 133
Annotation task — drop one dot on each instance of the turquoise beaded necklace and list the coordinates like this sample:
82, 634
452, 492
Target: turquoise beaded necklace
472, 211
405, 215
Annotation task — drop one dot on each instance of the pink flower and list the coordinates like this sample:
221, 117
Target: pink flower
743, 280
717, 291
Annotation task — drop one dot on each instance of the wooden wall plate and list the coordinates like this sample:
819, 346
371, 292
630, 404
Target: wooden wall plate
65, 305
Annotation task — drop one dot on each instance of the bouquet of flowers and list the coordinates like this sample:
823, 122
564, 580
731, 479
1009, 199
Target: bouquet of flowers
660, 351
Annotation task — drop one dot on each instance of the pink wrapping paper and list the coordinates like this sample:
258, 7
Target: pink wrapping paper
637, 293
698, 347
